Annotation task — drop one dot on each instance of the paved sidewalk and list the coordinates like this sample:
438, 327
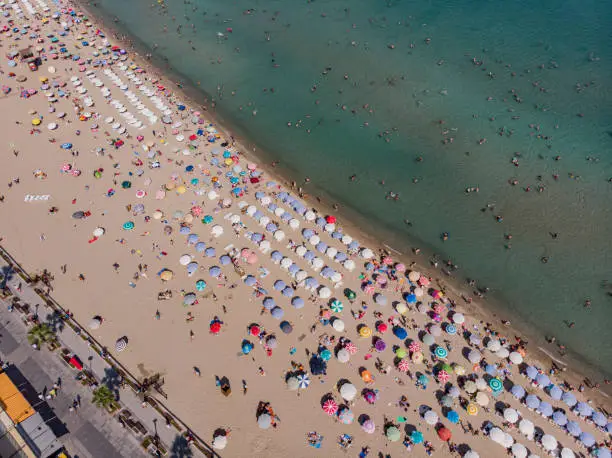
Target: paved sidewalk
92, 432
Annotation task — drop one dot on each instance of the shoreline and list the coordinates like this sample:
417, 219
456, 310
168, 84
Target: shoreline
487, 310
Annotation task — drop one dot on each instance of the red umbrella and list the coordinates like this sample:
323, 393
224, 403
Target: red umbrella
215, 327
403, 365
255, 331
444, 434
414, 346
330, 219
351, 348
330, 407
193, 137
443, 376
381, 327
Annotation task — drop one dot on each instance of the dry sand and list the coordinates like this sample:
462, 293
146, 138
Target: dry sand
40, 240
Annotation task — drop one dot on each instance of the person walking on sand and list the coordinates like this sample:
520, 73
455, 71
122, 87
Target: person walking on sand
196, 371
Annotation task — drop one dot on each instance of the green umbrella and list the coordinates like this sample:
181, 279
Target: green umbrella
447, 368
126, 185
393, 434
350, 294
336, 306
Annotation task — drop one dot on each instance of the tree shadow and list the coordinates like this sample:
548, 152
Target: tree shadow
180, 448
55, 321
113, 380
6, 274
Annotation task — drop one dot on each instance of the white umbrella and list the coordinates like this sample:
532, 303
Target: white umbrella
346, 239
515, 357
336, 277
502, 352
219, 442
348, 392
349, 265
251, 209
185, 259
493, 345
310, 215
343, 355
314, 240
263, 221
526, 427
278, 211
482, 399
317, 263
366, 253
294, 223
510, 415
420, 292
121, 344
519, 451
265, 200
481, 383
414, 276
508, 440
567, 453
329, 227
470, 387
331, 252
497, 435
301, 275
325, 293
212, 195
286, 263
264, 421
338, 325
549, 442
474, 356
279, 236
430, 417
301, 251
292, 383
264, 246
471, 454
457, 317
95, 323
217, 230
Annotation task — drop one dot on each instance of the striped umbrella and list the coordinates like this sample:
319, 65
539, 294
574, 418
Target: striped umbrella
472, 409
403, 365
351, 348
414, 346
121, 344
330, 407
496, 384
440, 352
443, 376
303, 381
336, 306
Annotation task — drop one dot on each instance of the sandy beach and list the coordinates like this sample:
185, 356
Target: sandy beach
124, 209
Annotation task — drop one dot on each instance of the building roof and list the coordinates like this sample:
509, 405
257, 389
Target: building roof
39, 436
12, 401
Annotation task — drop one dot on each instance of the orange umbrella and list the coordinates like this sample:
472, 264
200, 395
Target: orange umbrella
444, 434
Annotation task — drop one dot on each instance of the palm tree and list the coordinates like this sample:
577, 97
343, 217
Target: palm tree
40, 334
103, 397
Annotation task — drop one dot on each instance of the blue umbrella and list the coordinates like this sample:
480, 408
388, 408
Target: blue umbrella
336, 235
599, 419
210, 252
423, 380
193, 238
587, 439
184, 230
411, 298
207, 219
269, 303
327, 272
452, 416
559, 418
192, 267
257, 237
545, 409
293, 269
276, 256
246, 347
531, 372
603, 452
369, 266
451, 329
309, 255
286, 327
277, 312
573, 428
66, 145
454, 392
609, 428
271, 227
583, 409
517, 391
532, 401
321, 247
353, 245
340, 257
283, 196
259, 195
416, 437
320, 222
279, 285
542, 380
225, 260
569, 399
288, 292
286, 216
272, 207
257, 215
200, 285
250, 280
325, 355
214, 271
491, 369
200, 246
555, 392
399, 332
297, 302
311, 282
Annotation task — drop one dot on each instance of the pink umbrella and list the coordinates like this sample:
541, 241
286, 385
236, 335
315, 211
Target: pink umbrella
351, 348
403, 365
369, 396
251, 258
330, 407
368, 289
368, 426
244, 253
380, 280
443, 376
414, 346
387, 260
439, 309
400, 267
196, 210
423, 281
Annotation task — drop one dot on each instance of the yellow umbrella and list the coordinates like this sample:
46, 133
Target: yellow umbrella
228, 161
35, 122
181, 189
401, 308
472, 409
365, 331
459, 370
166, 275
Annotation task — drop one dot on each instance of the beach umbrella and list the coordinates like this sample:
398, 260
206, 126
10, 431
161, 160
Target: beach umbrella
471, 454
440, 352
250, 280
519, 451
414, 346
517, 391
337, 324
526, 427
269, 303
567, 453
430, 417
417, 357
277, 313
474, 339
474, 356
297, 302
215, 327
288, 292
219, 442
346, 416
450, 329
369, 396
166, 275
429, 340
400, 332
343, 355
303, 381
481, 384
381, 327
365, 331
324, 293
416, 437
189, 299
599, 419
497, 435
549, 442
247, 347
368, 426
472, 409
192, 268
559, 418
603, 452
351, 347
583, 409
279, 285
531, 372
444, 434
458, 318
336, 306
200, 247
573, 428
545, 409
587, 439
286, 327
515, 358
532, 401
491, 369
348, 392
210, 252
442, 376
452, 416
542, 380
95, 322
555, 392
380, 345
470, 387
403, 365
225, 260
380, 299
214, 271
482, 399
121, 344
393, 434
496, 384
510, 415
292, 383
330, 407
264, 421
454, 392
411, 298
493, 345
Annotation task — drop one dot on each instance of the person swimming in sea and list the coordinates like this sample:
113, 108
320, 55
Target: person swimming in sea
445, 236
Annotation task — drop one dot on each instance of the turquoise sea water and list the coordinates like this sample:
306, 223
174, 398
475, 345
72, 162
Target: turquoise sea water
401, 80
